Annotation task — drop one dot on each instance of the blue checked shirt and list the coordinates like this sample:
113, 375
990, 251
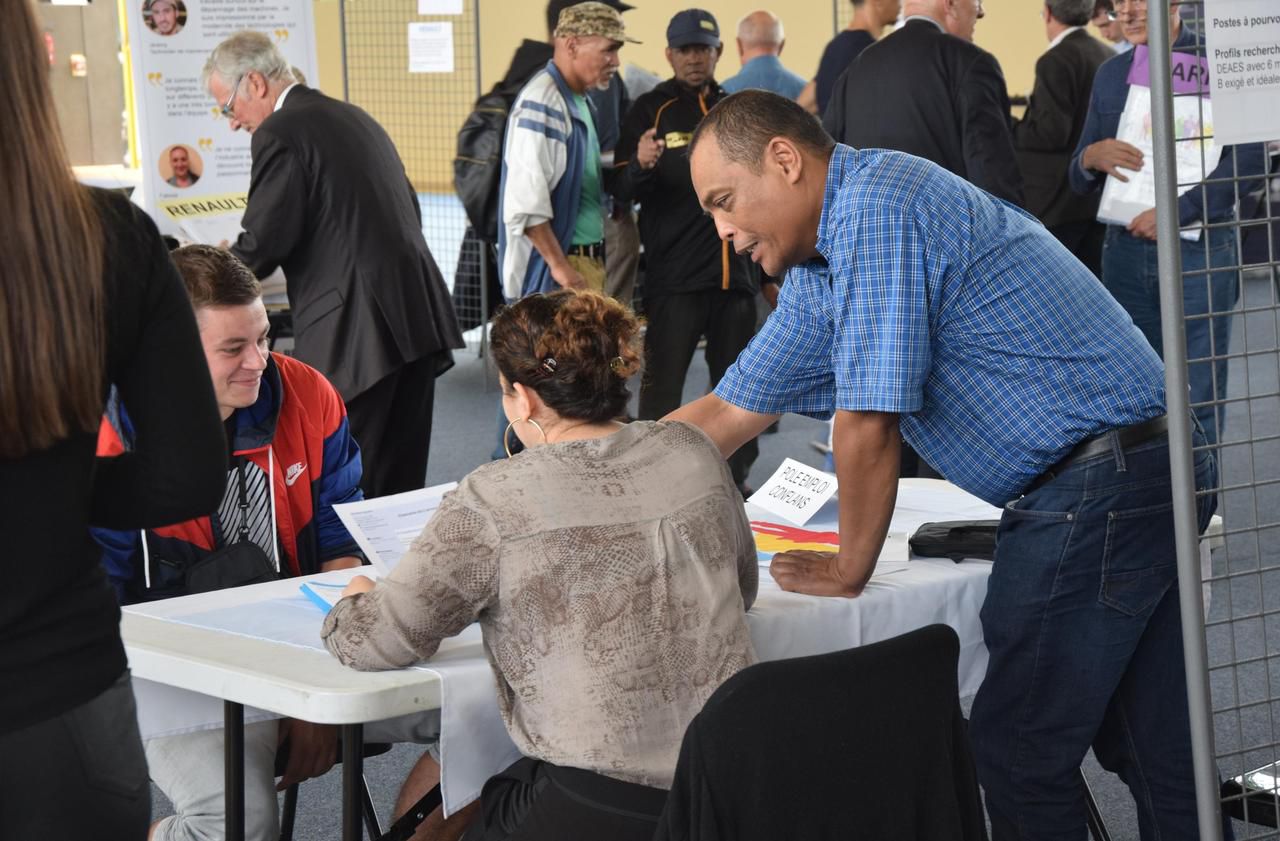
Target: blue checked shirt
960, 313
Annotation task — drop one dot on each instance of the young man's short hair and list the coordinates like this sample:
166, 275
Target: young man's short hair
215, 277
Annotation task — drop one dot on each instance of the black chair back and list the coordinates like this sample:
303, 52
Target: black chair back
868, 743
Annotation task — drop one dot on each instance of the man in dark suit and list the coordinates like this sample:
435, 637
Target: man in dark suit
1046, 137
929, 91
331, 205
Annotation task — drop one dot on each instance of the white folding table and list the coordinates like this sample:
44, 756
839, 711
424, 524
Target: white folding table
284, 679
177, 643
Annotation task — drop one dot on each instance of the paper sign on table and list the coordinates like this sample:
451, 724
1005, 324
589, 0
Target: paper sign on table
795, 492
772, 538
385, 527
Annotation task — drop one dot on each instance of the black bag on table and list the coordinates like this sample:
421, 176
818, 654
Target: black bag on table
957, 540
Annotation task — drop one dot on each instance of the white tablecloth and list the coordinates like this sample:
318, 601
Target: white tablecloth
474, 744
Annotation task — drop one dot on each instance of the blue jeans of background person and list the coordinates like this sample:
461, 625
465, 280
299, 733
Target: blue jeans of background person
1081, 621
1129, 272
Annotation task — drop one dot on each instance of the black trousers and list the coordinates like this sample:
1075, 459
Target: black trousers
392, 424
81, 774
534, 800
676, 322
1083, 239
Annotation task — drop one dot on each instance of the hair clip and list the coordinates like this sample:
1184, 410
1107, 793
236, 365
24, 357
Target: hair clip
548, 365
616, 365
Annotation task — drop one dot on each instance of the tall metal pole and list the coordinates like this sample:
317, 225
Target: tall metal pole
342, 41
482, 250
1181, 461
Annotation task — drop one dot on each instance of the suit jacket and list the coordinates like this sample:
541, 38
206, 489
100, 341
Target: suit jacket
330, 204
930, 94
1046, 136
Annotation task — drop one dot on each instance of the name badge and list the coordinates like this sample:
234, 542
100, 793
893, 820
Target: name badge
676, 139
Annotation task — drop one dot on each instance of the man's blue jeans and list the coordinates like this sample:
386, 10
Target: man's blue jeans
1081, 621
1130, 275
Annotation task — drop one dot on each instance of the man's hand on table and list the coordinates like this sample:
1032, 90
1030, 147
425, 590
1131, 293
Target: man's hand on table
817, 574
359, 584
313, 749
867, 451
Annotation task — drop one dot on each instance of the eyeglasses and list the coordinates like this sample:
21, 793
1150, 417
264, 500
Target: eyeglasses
228, 110
1122, 4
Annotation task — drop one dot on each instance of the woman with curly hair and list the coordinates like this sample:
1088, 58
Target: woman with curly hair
610, 566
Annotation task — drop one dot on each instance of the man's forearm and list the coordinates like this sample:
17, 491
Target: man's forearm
724, 423
544, 239
867, 447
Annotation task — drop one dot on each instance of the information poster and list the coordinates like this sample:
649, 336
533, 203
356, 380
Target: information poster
1242, 38
195, 170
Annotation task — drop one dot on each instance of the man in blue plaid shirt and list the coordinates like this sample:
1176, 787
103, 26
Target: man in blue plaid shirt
919, 307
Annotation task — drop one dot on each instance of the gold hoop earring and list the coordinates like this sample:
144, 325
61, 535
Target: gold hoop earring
506, 431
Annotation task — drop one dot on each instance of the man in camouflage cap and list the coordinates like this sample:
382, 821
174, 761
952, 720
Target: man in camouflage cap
592, 19
552, 227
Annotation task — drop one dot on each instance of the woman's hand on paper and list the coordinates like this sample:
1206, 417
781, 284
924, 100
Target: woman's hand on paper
818, 573
1143, 225
359, 584
1108, 155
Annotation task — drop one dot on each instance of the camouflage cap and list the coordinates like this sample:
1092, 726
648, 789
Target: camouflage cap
593, 19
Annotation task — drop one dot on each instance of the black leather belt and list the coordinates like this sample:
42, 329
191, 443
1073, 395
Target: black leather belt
594, 251
1100, 444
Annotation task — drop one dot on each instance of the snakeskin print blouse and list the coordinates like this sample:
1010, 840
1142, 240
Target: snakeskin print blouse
610, 578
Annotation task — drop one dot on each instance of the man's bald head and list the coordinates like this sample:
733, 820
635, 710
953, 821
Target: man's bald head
957, 17
759, 33
761, 28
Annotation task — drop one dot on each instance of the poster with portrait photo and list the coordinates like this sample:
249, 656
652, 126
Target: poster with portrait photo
180, 166
169, 42
164, 17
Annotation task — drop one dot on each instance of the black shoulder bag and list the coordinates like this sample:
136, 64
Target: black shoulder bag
236, 564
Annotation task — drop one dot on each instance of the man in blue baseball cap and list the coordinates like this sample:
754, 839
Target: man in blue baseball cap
695, 285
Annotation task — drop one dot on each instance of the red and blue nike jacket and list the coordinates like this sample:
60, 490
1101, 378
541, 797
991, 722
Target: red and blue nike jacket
297, 433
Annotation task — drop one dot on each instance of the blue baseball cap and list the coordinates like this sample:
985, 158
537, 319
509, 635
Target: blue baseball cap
693, 26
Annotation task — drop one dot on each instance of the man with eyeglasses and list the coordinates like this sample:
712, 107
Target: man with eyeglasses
929, 91
330, 204
1211, 285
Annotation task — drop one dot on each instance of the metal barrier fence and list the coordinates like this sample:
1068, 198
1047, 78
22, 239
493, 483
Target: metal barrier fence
1231, 622
393, 69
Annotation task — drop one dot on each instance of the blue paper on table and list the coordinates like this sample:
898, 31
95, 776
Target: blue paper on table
322, 595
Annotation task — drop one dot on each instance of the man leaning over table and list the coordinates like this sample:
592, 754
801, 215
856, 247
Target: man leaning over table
292, 458
919, 307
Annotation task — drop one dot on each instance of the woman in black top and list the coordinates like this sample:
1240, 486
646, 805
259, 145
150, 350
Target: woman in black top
88, 298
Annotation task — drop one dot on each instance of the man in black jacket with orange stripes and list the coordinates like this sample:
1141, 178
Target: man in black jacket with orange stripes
695, 285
